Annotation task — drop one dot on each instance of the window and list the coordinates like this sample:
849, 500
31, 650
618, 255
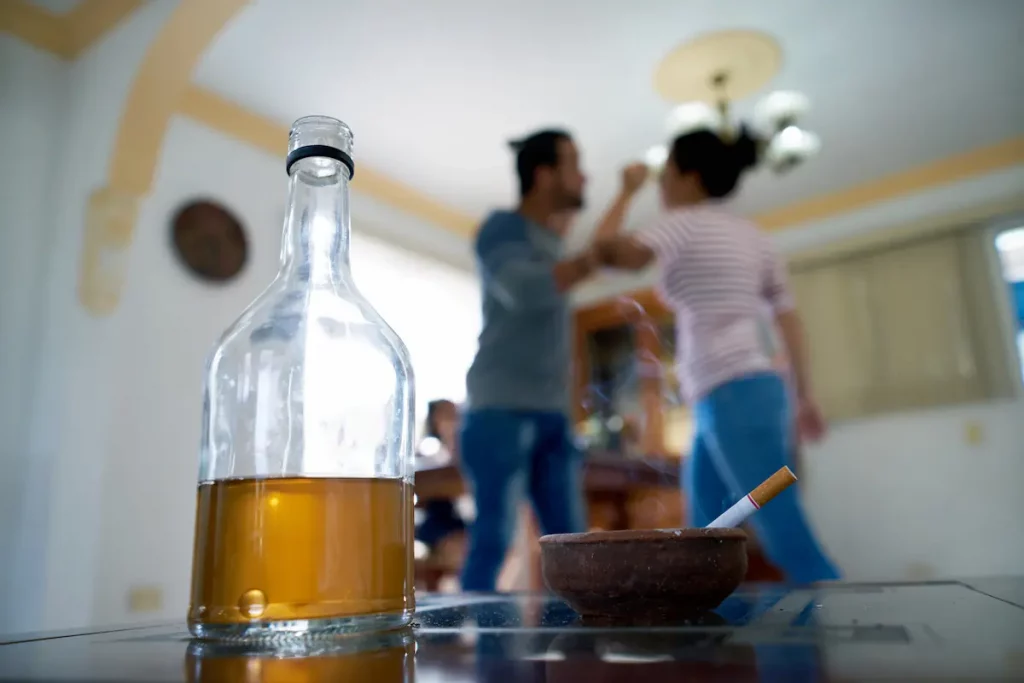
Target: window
1010, 247
908, 326
434, 308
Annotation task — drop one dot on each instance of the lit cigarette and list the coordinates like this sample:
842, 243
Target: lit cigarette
752, 502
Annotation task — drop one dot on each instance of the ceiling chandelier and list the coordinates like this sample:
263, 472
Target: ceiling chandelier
710, 72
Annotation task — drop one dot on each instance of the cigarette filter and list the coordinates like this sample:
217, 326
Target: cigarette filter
752, 502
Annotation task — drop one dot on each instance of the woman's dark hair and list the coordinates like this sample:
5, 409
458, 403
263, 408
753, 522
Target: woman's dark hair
718, 164
433, 408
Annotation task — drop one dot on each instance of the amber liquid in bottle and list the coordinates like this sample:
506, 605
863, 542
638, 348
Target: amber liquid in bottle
294, 548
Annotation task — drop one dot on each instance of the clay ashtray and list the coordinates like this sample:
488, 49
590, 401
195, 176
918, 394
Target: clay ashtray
644, 576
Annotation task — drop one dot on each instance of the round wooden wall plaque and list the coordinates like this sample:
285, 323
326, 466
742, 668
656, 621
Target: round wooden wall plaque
209, 241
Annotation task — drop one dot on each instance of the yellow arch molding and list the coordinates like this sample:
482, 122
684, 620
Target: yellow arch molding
228, 118
159, 84
65, 35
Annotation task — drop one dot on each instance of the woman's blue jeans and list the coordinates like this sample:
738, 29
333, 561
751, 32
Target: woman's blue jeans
743, 435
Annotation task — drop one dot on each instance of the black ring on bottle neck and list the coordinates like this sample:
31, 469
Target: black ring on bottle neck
307, 151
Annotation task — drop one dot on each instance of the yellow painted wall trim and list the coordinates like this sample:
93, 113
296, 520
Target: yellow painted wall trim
36, 26
977, 215
958, 167
65, 35
109, 227
158, 87
90, 20
233, 120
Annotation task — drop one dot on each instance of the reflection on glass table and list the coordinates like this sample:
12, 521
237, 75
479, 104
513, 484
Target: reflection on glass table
965, 630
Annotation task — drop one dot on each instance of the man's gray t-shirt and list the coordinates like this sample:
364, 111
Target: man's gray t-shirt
523, 361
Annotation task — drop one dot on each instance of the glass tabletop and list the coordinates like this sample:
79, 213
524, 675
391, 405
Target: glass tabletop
907, 631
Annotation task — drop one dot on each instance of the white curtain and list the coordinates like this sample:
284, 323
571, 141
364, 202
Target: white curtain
909, 326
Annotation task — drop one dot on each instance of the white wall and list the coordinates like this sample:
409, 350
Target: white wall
56, 545
32, 102
912, 496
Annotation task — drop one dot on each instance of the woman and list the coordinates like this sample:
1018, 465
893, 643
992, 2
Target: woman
441, 519
719, 273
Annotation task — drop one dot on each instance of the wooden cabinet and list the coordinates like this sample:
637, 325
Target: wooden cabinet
626, 395
626, 399
627, 402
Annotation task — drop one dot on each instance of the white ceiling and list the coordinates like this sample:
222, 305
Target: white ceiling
433, 90
56, 6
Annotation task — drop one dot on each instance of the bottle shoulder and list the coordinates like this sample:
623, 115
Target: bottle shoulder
286, 319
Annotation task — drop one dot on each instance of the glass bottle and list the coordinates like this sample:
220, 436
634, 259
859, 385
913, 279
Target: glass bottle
304, 516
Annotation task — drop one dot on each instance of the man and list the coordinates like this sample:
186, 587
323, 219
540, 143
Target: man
516, 437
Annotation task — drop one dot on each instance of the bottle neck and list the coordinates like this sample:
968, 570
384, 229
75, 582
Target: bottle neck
317, 228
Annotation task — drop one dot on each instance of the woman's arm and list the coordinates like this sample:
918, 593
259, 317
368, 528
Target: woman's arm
791, 329
664, 242
809, 418
776, 292
624, 252
513, 274
633, 177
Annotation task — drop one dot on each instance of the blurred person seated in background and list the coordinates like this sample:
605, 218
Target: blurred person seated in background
441, 518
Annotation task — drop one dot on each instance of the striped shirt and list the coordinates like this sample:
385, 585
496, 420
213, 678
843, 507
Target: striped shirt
723, 279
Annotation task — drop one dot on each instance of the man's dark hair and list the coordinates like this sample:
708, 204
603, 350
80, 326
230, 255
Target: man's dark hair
535, 151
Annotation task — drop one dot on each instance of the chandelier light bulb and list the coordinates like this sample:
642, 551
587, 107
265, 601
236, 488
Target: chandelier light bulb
791, 146
798, 139
1010, 240
692, 116
430, 446
656, 157
780, 109
774, 123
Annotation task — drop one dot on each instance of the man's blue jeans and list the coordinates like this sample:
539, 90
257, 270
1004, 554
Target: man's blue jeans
507, 455
744, 435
